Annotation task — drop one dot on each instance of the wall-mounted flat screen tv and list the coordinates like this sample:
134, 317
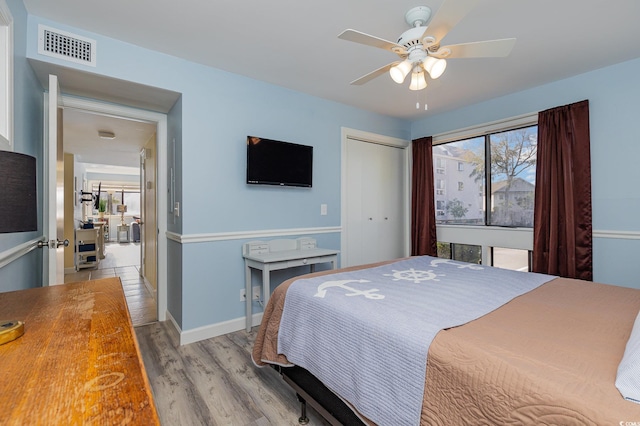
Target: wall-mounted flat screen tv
271, 162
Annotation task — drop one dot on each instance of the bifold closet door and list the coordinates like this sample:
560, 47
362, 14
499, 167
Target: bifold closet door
375, 202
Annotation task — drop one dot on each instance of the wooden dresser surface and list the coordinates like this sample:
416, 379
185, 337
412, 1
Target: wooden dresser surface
78, 361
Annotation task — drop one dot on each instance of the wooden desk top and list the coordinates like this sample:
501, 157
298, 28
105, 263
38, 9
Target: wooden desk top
78, 361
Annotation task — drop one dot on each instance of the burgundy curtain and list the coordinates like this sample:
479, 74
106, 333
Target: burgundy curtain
423, 212
562, 233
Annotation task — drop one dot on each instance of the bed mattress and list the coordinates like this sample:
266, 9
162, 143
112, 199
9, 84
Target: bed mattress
549, 356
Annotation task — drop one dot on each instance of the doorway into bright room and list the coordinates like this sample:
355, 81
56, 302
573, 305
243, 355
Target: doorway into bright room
111, 163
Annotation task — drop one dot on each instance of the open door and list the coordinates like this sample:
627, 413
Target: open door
53, 216
148, 222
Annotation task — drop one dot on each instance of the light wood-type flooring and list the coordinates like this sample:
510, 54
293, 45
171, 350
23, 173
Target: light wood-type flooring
123, 260
211, 382
214, 382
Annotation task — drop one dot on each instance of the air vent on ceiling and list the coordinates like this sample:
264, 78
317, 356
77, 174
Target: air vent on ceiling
63, 45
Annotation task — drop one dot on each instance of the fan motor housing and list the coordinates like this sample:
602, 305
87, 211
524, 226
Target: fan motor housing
411, 37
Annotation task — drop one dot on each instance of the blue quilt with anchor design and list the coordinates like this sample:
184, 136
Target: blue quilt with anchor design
365, 334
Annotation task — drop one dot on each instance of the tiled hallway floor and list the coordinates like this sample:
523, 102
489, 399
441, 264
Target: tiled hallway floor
123, 260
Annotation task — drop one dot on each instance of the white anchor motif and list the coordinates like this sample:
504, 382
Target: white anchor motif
436, 262
369, 294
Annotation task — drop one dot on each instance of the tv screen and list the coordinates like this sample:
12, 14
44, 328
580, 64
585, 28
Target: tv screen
271, 162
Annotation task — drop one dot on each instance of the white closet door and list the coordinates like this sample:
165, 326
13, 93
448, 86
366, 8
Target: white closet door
375, 202
391, 204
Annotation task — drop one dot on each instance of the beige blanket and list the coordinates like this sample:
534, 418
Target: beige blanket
547, 357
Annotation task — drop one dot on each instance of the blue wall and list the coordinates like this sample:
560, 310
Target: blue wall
613, 94
25, 272
210, 123
217, 110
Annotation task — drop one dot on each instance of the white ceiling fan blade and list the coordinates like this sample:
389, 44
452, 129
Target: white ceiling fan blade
450, 13
478, 49
369, 40
373, 74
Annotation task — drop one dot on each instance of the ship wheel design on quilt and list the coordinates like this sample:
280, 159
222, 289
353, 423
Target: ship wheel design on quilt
414, 275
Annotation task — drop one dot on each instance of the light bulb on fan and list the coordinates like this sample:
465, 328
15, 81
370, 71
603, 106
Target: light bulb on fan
435, 67
399, 72
418, 81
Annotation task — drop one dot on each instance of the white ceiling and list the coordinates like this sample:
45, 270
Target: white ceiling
294, 44
80, 135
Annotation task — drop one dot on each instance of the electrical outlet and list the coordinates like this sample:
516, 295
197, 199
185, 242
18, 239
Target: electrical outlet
255, 293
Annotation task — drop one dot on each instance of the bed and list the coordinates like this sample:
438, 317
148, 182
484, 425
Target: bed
547, 353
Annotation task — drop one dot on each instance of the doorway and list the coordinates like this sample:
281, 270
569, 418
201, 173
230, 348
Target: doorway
123, 256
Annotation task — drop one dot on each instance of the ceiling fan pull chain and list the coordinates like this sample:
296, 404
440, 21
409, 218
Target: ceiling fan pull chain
418, 102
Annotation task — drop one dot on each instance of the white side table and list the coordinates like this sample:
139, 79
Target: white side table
274, 255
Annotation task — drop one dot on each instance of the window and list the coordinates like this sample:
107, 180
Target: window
6, 77
462, 252
505, 159
512, 168
462, 204
494, 207
517, 260
111, 194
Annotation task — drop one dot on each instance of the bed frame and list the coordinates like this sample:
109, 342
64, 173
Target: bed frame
310, 390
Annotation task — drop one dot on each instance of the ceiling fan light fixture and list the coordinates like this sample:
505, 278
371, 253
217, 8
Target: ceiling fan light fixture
434, 66
399, 72
418, 81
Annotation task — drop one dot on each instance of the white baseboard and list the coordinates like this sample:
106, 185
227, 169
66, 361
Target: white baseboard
150, 288
213, 330
174, 332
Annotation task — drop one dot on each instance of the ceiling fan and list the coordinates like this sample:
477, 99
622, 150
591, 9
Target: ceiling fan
419, 47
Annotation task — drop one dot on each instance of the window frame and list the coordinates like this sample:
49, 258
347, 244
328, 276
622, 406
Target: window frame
484, 235
6, 78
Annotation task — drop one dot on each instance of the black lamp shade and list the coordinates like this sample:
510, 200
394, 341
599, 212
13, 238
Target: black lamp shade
18, 200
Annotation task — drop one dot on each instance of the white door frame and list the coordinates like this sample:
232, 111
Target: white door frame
362, 136
53, 217
160, 119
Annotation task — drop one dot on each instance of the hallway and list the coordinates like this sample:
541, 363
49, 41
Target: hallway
123, 261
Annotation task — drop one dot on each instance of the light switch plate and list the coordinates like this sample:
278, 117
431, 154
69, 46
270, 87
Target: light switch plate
323, 209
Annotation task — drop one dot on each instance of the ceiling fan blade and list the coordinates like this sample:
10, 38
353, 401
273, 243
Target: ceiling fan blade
450, 13
373, 74
478, 49
369, 40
